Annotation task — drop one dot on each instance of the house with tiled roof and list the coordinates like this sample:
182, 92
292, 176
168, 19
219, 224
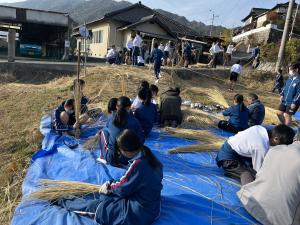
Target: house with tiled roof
266, 25
116, 28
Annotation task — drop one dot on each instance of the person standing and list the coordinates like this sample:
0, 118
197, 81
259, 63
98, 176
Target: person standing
290, 96
228, 54
156, 57
129, 47
279, 83
187, 54
255, 57
235, 71
137, 41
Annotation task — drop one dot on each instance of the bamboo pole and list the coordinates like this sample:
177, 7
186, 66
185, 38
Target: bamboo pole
77, 96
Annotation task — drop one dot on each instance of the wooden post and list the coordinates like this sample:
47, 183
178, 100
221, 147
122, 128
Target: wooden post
77, 96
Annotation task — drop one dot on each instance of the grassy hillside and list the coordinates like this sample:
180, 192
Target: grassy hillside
23, 105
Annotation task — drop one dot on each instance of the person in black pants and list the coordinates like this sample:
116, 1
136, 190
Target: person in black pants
279, 83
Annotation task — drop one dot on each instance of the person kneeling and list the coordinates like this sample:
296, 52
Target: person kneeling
247, 149
64, 117
134, 199
239, 115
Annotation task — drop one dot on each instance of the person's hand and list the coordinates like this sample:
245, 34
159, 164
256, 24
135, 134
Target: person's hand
104, 188
281, 98
293, 106
76, 125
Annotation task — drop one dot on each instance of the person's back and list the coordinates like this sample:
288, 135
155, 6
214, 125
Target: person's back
170, 107
237, 118
256, 113
137, 195
157, 55
237, 68
273, 198
146, 115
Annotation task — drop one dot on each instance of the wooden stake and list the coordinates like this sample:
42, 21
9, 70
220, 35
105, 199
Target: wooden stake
77, 97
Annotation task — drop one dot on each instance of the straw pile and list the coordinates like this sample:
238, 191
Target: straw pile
193, 118
56, 189
271, 116
217, 97
197, 148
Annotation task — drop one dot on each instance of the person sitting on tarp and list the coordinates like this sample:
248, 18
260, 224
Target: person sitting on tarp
256, 110
83, 99
170, 107
64, 117
135, 199
121, 120
247, 149
146, 114
274, 196
137, 102
238, 116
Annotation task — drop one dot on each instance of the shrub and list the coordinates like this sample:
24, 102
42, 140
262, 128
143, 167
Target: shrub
292, 50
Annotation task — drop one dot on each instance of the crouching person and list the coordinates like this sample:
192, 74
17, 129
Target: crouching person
170, 108
274, 196
64, 117
134, 199
247, 149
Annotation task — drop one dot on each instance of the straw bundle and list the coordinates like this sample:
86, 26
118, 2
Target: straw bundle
209, 141
92, 143
197, 148
199, 119
217, 97
56, 189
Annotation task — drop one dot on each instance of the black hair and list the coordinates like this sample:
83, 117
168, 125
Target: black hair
154, 88
120, 118
145, 95
177, 89
112, 105
138, 32
253, 96
128, 141
240, 100
284, 133
69, 103
144, 84
280, 71
295, 66
155, 45
238, 61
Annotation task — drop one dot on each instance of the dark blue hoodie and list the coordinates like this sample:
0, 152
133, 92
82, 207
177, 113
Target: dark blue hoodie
135, 199
146, 115
58, 124
238, 118
291, 91
114, 132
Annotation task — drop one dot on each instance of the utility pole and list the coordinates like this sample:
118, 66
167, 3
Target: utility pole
212, 21
294, 21
284, 35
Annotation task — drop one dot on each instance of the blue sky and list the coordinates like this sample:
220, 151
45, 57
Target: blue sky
230, 12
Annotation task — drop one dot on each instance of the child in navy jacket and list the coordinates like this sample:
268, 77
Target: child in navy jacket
290, 96
238, 116
121, 120
147, 112
135, 199
156, 56
64, 117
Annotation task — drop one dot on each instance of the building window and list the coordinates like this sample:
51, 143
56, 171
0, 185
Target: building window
97, 37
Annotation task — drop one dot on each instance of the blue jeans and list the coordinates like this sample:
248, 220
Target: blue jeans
135, 54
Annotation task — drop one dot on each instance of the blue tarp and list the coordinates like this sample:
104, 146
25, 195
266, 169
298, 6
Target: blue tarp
195, 190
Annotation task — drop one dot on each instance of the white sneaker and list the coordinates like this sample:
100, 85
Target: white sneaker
159, 76
156, 81
103, 161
